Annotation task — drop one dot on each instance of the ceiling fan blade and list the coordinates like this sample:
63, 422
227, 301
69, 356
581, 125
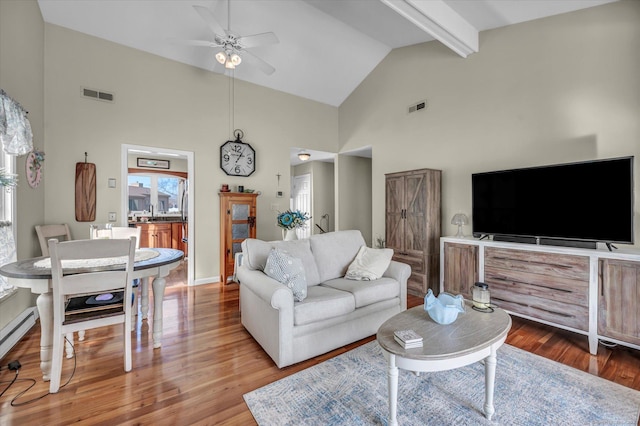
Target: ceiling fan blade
256, 40
210, 20
255, 61
203, 43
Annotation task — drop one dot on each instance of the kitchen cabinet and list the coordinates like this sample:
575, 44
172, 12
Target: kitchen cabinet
161, 235
237, 223
412, 225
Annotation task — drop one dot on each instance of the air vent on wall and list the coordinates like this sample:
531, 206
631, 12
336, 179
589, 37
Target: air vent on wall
98, 95
420, 105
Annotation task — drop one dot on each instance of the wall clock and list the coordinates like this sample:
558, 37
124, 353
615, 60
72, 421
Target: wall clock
236, 157
33, 168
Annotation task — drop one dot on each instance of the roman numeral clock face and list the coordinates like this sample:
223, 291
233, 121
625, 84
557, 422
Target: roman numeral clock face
237, 158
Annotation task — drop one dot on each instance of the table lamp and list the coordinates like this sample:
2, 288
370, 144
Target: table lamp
459, 219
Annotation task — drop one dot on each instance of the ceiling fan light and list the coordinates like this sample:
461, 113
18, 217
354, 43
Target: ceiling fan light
229, 65
221, 57
304, 156
236, 59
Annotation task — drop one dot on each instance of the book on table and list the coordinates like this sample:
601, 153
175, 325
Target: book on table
408, 339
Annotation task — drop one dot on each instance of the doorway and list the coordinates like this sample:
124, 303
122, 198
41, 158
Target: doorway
165, 155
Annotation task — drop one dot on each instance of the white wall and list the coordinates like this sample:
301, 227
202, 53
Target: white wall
166, 104
21, 76
554, 90
354, 195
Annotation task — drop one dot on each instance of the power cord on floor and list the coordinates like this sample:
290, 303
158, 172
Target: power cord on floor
15, 365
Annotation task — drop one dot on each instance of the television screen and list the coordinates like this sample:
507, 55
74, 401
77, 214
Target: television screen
588, 201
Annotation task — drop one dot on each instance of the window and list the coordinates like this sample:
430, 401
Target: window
162, 193
7, 197
7, 225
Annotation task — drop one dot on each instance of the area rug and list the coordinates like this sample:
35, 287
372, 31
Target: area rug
351, 389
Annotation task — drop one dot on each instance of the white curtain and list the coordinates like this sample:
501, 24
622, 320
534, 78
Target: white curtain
15, 128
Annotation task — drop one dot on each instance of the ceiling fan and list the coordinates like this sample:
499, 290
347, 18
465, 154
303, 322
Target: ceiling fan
233, 47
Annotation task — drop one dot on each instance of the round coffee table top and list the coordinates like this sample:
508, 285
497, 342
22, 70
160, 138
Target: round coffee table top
470, 332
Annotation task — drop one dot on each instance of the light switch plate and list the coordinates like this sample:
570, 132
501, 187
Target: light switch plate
112, 217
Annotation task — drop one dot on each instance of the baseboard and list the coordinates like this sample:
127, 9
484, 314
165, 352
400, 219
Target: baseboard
16, 329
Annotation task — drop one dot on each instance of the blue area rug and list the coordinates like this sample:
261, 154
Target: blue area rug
351, 389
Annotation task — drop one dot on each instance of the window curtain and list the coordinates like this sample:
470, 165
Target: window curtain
7, 255
15, 130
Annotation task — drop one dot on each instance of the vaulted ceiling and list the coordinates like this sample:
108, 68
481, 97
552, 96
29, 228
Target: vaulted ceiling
326, 47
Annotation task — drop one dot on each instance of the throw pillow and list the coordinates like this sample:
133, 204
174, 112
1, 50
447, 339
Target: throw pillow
287, 270
369, 264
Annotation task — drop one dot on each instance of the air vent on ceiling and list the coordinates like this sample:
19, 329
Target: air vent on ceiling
420, 105
98, 95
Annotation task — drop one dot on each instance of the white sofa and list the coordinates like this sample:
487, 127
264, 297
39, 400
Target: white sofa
336, 311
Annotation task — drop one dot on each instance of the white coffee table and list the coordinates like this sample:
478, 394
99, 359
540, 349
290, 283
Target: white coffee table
474, 336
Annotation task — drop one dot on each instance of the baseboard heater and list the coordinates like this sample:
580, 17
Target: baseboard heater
16, 329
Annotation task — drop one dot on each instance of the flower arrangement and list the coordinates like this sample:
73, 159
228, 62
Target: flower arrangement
292, 219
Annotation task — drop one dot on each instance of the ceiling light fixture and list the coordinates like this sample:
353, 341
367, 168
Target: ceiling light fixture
228, 59
304, 156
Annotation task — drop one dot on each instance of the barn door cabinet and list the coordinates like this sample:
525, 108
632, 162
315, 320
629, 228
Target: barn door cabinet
412, 225
591, 292
237, 223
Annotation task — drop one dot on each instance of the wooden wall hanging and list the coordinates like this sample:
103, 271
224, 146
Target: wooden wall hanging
85, 191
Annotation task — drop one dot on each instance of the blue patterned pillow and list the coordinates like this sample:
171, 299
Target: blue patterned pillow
287, 270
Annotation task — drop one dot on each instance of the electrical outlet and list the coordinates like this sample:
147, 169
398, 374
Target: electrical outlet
112, 217
274, 207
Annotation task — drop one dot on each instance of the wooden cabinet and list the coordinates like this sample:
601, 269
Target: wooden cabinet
460, 271
178, 236
412, 225
619, 300
155, 235
162, 235
237, 223
548, 286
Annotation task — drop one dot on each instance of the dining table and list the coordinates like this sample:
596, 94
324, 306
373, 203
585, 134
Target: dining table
35, 274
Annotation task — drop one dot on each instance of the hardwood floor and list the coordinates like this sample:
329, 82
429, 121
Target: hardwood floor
208, 361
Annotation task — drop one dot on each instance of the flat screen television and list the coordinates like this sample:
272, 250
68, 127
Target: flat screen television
579, 202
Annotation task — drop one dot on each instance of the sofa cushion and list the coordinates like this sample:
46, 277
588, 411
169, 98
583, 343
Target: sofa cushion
366, 292
289, 271
322, 303
369, 264
334, 252
255, 253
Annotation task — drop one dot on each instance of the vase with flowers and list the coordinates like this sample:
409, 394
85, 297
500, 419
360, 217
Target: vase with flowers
290, 221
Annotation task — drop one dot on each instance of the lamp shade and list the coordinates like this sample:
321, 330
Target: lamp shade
459, 219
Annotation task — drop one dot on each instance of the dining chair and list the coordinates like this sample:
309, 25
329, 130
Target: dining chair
46, 232
75, 293
62, 233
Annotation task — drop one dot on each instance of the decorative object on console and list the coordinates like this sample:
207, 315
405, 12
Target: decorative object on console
481, 297
460, 219
445, 308
33, 167
237, 158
